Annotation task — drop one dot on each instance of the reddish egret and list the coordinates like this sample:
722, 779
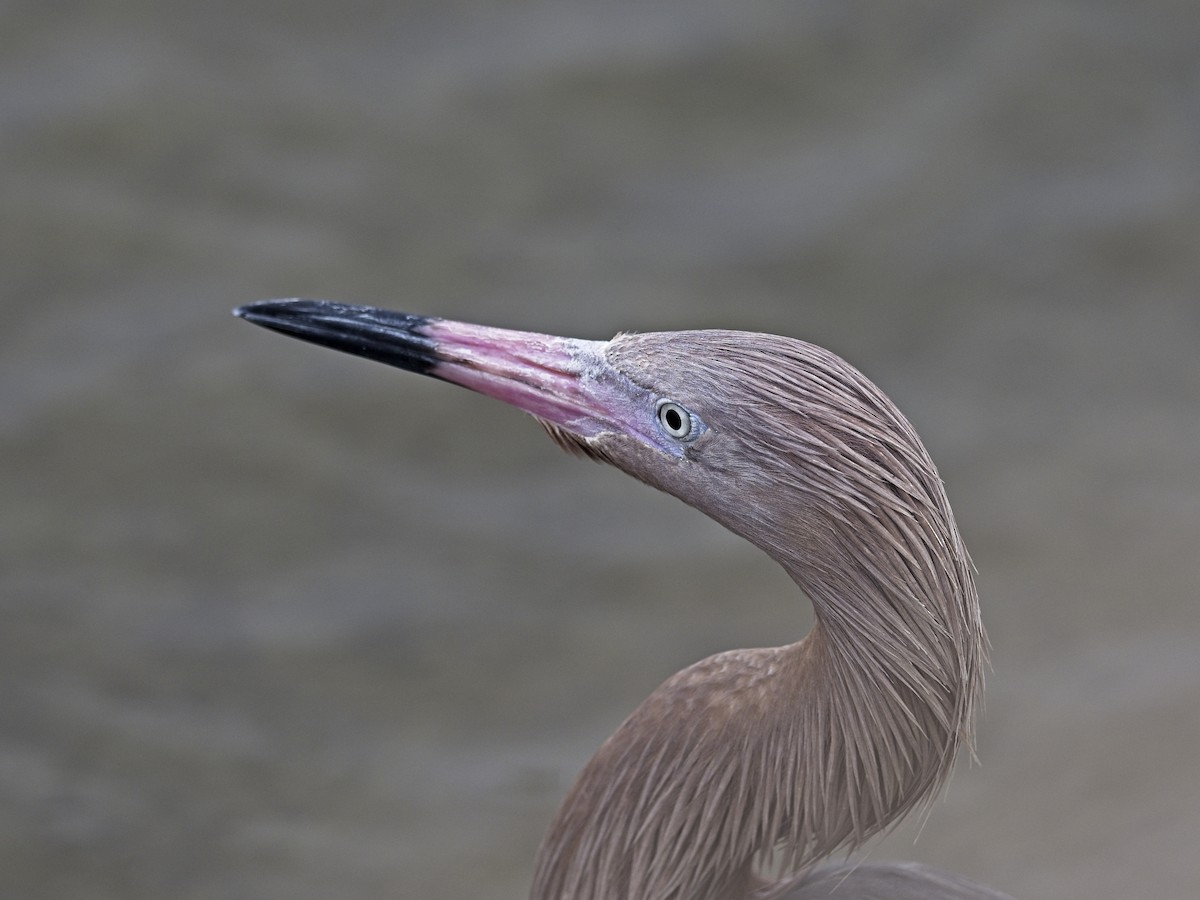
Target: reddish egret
777, 756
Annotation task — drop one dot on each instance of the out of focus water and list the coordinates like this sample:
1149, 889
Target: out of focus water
276, 623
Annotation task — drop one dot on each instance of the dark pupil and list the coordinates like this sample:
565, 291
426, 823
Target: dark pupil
674, 420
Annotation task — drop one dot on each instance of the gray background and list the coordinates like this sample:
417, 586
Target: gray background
277, 623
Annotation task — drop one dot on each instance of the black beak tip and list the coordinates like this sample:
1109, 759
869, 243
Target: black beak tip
394, 338
272, 310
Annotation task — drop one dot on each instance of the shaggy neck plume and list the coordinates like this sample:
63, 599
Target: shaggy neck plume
751, 757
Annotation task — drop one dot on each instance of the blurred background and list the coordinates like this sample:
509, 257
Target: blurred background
280, 623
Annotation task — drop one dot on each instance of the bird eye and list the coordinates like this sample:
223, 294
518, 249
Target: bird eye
675, 420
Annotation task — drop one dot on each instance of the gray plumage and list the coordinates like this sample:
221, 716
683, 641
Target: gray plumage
785, 754
750, 759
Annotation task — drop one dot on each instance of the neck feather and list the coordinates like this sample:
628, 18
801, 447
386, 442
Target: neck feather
779, 756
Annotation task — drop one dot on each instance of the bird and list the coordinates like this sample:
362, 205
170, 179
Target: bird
752, 760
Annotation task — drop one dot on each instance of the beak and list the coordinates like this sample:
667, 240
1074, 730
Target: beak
562, 381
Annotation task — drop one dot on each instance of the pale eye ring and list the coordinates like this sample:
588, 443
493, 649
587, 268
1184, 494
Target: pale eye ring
675, 420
